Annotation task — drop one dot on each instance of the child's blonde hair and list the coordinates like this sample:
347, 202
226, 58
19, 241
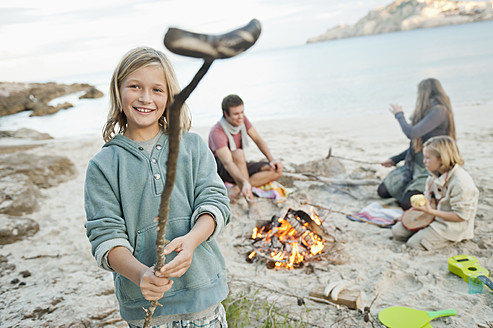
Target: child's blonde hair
445, 148
132, 61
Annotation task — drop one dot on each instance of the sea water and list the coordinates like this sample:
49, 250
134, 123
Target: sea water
344, 77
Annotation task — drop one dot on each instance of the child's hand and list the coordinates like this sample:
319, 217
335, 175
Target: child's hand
425, 208
153, 285
179, 265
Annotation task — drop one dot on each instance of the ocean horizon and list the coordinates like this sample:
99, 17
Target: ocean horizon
339, 78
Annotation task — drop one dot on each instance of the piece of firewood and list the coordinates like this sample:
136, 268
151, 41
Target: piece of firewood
348, 297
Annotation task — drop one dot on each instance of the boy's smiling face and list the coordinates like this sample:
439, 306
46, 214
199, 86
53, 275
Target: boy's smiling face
144, 98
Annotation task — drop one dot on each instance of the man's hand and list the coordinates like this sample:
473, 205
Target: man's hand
246, 190
276, 165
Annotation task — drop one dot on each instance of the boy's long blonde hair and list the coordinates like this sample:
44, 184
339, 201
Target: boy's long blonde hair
430, 93
132, 61
445, 148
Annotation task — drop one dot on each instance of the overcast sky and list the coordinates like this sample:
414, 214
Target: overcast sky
49, 39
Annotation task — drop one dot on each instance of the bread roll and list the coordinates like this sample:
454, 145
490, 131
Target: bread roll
418, 200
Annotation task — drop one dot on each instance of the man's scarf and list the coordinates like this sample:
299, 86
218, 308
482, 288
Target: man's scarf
230, 130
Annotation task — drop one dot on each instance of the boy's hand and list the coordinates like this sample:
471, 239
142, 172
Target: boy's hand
153, 285
184, 248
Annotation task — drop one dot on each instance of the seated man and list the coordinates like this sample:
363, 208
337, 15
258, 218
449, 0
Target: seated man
227, 140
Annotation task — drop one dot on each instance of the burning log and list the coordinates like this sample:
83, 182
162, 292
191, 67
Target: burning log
315, 224
292, 241
312, 241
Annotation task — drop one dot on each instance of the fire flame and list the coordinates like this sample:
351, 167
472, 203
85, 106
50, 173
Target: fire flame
314, 216
295, 256
298, 247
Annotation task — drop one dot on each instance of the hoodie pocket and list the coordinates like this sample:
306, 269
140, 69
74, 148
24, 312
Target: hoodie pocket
207, 261
145, 244
126, 291
145, 252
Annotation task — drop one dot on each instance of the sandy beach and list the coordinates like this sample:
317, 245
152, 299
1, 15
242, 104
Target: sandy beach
66, 288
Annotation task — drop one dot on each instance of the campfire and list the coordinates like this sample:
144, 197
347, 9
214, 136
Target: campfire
292, 241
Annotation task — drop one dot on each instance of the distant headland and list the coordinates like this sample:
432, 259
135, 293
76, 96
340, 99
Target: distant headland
402, 15
16, 97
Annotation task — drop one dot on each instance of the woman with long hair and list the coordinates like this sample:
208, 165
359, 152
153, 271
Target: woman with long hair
432, 117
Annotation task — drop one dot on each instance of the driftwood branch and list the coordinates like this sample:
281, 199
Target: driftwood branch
333, 186
174, 135
332, 181
329, 155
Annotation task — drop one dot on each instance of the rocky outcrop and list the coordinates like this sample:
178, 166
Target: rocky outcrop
22, 176
19, 195
402, 15
25, 133
92, 93
18, 97
42, 110
14, 228
20, 134
44, 171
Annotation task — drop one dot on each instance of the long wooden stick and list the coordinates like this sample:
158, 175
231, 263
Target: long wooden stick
174, 135
207, 47
344, 213
346, 182
348, 159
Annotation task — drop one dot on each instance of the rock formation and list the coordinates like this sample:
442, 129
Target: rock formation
17, 97
25, 133
91, 93
45, 171
15, 228
22, 176
402, 15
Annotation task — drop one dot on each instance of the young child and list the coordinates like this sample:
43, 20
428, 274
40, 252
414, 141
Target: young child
456, 196
123, 187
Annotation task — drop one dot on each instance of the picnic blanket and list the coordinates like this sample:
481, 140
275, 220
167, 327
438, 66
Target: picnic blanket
377, 215
273, 190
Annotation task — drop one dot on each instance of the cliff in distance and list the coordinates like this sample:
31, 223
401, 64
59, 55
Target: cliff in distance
402, 15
